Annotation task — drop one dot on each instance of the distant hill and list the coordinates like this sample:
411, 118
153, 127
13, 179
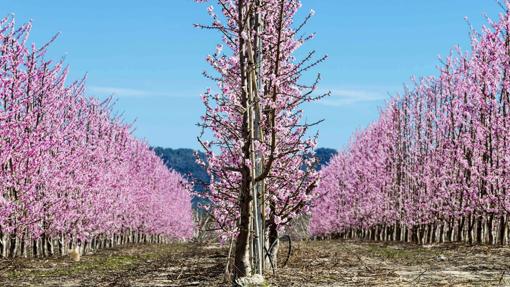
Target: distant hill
183, 161
324, 155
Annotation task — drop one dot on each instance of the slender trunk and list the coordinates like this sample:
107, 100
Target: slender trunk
502, 230
242, 264
460, 228
3, 244
479, 230
471, 224
441, 232
414, 234
433, 235
422, 233
61, 245
49, 246
35, 254
13, 248
24, 246
489, 228
273, 242
449, 231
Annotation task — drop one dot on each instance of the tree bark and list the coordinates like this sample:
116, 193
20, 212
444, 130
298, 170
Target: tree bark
242, 264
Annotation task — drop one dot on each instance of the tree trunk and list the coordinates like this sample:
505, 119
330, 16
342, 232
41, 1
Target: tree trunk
61, 245
479, 230
49, 246
272, 239
24, 243
35, 254
441, 232
502, 230
3, 244
460, 228
242, 264
414, 234
433, 234
489, 228
13, 248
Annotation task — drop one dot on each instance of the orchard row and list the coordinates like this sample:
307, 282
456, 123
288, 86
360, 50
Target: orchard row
435, 165
70, 171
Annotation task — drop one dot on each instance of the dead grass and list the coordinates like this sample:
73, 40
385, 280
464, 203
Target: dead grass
345, 263
313, 263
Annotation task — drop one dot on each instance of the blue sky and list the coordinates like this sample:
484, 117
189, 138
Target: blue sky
149, 56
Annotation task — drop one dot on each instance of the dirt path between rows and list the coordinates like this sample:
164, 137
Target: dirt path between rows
313, 263
375, 264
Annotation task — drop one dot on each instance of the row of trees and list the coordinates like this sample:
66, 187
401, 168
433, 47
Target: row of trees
434, 166
70, 171
259, 157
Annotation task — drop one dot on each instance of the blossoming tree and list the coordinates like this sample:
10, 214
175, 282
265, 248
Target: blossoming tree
434, 167
260, 157
70, 172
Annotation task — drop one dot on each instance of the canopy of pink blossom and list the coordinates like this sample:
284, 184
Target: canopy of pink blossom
438, 153
67, 165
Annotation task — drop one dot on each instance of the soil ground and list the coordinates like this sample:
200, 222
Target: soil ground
313, 263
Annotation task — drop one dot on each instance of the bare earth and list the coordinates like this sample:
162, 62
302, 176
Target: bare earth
313, 263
